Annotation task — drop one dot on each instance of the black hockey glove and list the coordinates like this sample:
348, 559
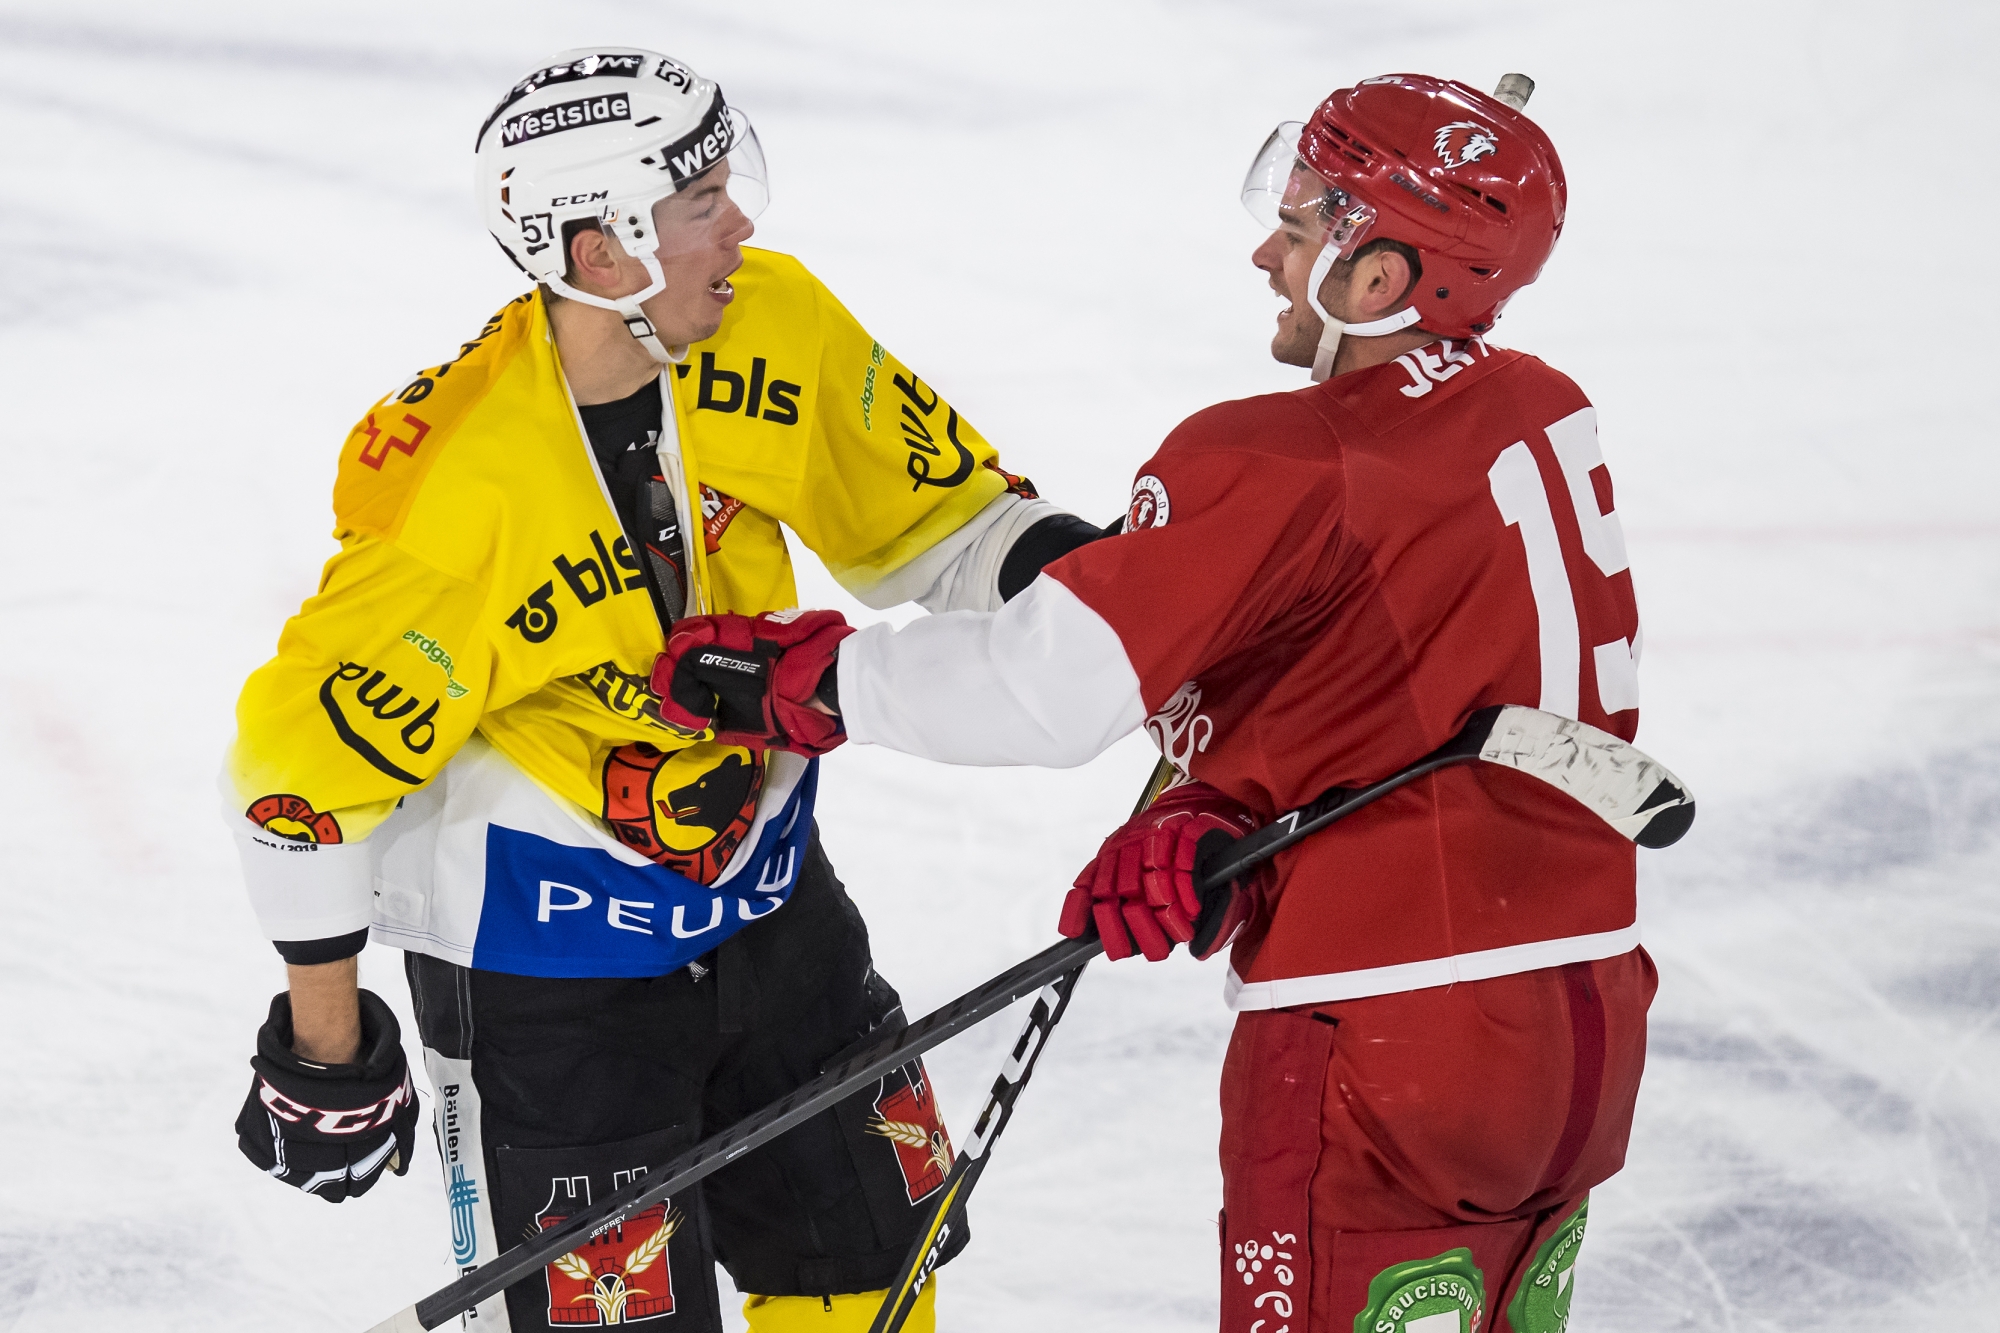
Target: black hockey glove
330, 1129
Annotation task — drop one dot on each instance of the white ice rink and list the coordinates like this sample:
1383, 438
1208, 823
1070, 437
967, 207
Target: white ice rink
226, 228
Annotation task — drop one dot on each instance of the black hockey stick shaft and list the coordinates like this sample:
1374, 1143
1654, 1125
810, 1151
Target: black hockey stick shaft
927, 1251
948, 1212
804, 1102
1338, 803
935, 1028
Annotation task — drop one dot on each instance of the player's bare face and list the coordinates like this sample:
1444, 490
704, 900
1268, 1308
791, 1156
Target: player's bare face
1287, 256
701, 233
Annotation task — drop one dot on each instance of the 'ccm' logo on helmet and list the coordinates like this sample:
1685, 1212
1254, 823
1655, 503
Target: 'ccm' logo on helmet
565, 116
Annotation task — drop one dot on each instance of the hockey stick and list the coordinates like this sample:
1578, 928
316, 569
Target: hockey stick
949, 1210
1629, 791
710, 1155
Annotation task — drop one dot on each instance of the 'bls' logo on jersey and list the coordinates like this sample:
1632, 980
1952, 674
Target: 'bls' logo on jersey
590, 579
725, 391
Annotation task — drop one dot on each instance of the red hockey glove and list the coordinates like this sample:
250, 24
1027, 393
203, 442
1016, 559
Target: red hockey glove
752, 678
1140, 891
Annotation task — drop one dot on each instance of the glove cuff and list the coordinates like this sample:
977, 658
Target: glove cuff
380, 1057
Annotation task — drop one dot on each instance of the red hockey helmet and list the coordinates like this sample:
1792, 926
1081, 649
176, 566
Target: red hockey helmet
1470, 183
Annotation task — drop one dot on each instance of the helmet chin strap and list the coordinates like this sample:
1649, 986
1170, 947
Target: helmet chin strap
1331, 329
627, 309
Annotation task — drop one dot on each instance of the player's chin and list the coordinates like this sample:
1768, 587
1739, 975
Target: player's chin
704, 321
1289, 349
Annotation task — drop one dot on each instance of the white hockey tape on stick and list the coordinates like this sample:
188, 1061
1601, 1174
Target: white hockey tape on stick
1621, 785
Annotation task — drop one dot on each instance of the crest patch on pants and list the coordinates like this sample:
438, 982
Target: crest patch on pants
906, 1114
619, 1276
1541, 1303
1443, 1294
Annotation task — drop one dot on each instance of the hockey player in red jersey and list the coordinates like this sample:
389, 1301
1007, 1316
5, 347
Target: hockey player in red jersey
1442, 999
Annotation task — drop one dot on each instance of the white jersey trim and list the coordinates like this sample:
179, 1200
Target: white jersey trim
1042, 681
1480, 965
419, 880
301, 890
961, 572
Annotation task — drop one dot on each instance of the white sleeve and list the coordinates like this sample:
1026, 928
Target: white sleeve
1043, 680
962, 572
303, 890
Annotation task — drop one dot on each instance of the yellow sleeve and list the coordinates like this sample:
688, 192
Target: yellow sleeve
892, 469
378, 680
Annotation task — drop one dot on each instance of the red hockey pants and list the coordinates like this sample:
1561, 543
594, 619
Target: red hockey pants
1424, 1158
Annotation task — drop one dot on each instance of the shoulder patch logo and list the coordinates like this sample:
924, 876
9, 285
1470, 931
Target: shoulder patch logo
293, 818
1149, 508
1463, 142
376, 451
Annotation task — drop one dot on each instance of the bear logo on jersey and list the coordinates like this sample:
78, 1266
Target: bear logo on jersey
1462, 142
1149, 507
686, 809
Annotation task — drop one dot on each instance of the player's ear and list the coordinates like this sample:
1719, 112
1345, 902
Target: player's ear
1388, 278
593, 259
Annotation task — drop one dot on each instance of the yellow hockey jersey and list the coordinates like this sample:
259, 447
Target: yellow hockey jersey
483, 583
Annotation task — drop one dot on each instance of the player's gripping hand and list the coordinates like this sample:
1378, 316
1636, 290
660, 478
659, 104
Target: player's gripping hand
1139, 892
330, 1129
752, 678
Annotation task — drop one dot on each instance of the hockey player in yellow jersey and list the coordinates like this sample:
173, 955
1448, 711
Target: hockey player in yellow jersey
455, 750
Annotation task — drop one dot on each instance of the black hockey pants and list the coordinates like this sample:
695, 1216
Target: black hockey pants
552, 1092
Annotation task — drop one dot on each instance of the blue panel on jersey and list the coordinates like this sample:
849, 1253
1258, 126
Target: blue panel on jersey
553, 910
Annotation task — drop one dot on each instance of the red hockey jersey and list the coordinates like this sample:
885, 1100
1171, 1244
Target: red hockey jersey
1314, 589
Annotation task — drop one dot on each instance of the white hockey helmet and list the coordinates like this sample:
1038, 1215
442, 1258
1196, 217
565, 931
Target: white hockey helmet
601, 134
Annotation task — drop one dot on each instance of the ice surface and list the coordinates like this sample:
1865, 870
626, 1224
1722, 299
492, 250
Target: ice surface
229, 227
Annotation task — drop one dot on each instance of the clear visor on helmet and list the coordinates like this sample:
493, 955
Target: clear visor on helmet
1282, 191
749, 182
707, 207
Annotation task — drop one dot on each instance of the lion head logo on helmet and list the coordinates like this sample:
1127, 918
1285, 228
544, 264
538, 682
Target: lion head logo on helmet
1462, 142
